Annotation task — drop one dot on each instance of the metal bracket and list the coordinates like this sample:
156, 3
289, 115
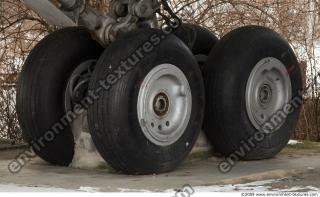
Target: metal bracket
123, 16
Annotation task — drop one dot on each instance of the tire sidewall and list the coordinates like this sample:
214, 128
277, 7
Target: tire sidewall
130, 142
242, 50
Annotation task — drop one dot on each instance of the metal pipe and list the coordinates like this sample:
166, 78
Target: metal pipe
47, 10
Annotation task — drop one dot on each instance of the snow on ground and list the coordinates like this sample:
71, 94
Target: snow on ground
299, 188
294, 142
88, 189
86, 155
258, 186
134, 190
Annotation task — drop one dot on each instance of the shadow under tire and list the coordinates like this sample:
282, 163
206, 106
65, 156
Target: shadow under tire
122, 132
250, 77
41, 90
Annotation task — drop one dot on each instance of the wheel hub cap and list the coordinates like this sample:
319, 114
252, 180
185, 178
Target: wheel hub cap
164, 104
265, 94
161, 104
268, 90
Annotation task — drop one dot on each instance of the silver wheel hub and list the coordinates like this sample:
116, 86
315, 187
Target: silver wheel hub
164, 104
268, 90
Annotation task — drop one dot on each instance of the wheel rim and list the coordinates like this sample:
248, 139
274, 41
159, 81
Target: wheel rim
77, 85
268, 90
164, 104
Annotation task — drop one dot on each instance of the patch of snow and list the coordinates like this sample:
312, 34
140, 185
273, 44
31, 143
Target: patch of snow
298, 188
257, 186
133, 190
86, 155
294, 142
89, 189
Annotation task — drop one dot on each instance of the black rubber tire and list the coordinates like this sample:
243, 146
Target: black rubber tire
41, 87
199, 39
113, 119
229, 65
